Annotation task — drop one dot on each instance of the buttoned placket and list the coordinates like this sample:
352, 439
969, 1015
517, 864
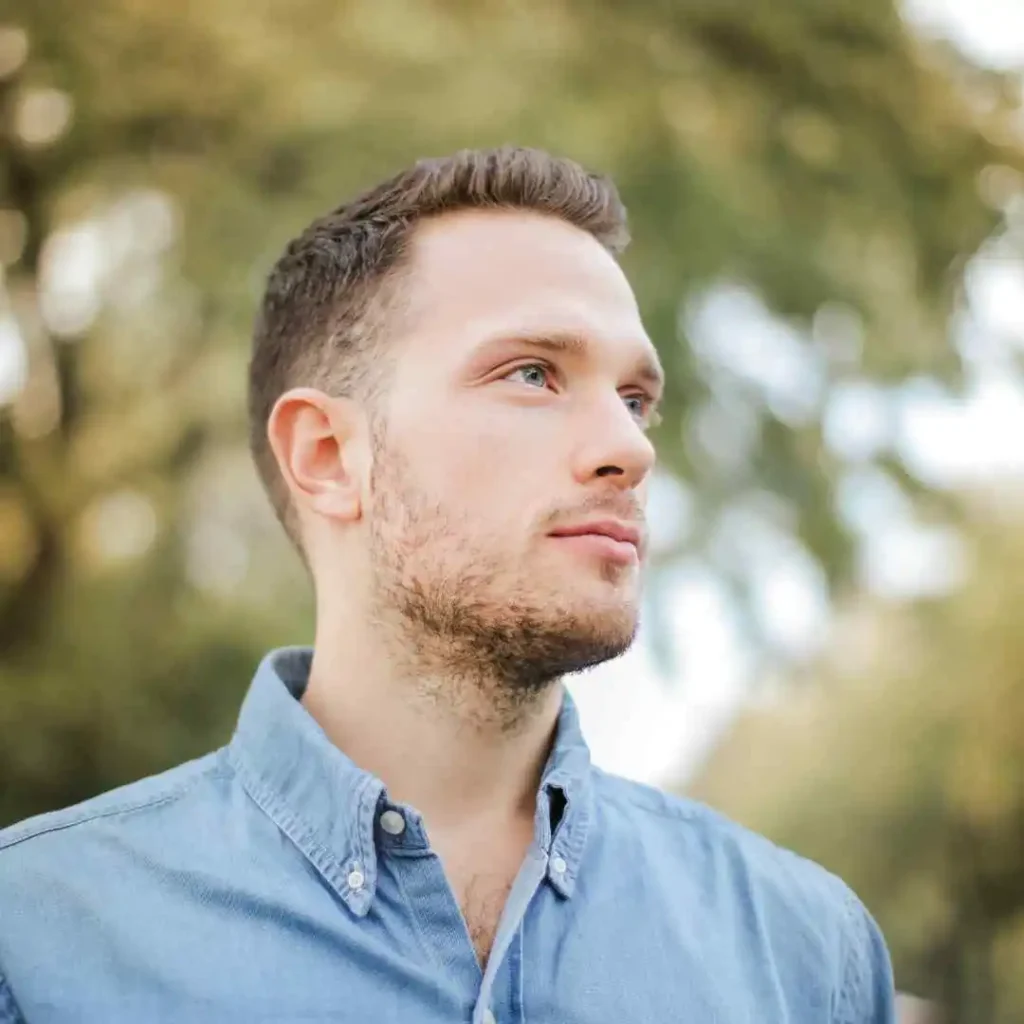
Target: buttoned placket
541, 862
401, 836
531, 875
342, 820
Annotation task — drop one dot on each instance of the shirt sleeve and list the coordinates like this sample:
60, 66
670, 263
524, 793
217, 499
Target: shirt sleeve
9, 1012
868, 994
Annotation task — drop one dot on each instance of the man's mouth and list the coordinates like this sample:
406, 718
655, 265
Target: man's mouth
611, 539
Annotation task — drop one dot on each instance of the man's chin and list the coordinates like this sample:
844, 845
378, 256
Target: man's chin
594, 638
603, 610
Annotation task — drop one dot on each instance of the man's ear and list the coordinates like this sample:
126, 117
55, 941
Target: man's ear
322, 447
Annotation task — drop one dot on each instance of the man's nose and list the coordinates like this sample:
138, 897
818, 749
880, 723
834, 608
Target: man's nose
614, 446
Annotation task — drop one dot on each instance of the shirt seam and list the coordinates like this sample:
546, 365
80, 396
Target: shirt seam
301, 835
671, 814
425, 944
8, 1005
215, 770
366, 810
850, 975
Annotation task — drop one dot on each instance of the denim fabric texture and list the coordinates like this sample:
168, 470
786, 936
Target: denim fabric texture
258, 884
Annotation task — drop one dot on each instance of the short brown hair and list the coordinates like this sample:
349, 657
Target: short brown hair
320, 320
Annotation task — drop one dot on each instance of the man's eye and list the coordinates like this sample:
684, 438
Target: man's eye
639, 406
643, 408
537, 371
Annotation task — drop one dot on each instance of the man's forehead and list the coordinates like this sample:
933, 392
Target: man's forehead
493, 273
495, 253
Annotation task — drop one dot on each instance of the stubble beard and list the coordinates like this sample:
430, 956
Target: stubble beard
464, 622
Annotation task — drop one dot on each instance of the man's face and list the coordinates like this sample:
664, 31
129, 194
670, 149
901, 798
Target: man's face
522, 388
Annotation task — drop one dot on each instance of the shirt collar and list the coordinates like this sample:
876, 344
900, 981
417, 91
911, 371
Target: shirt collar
566, 779
330, 807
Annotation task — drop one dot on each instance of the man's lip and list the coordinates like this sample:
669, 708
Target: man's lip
612, 528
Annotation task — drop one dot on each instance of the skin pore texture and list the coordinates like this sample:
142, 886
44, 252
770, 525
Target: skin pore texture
521, 386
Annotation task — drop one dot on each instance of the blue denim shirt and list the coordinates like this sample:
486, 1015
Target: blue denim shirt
259, 884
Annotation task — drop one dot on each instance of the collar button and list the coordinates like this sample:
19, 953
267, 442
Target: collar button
392, 822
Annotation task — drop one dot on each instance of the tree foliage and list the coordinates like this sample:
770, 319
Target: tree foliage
153, 160
903, 771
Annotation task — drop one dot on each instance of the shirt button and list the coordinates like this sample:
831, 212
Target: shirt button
356, 879
558, 865
392, 822
489, 1017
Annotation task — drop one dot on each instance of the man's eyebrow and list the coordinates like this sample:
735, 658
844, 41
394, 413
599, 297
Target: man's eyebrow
648, 370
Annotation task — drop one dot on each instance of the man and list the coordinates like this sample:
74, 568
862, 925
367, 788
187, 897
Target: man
450, 388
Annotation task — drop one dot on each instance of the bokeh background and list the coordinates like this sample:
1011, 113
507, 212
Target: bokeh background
827, 198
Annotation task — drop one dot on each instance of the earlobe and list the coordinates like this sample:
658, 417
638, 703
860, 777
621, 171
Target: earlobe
316, 440
336, 502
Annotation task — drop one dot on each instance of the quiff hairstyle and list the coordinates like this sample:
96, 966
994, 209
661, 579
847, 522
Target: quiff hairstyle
329, 298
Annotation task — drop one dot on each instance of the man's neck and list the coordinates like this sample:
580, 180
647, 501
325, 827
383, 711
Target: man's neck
440, 743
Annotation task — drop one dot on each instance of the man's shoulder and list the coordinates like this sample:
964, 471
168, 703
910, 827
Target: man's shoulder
123, 807
708, 839
808, 920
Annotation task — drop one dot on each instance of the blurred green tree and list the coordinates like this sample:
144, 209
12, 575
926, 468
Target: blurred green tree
810, 158
902, 769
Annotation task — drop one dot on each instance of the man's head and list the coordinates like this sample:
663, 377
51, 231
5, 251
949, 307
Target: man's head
447, 373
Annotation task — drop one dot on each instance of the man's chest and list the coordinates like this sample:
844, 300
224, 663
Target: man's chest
479, 873
482, 899
411, 957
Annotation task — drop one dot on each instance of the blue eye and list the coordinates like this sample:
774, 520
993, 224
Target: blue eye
640, 405
645, 410
535, 368
640, 408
